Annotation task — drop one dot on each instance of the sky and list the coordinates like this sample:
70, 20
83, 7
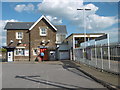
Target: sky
103, 16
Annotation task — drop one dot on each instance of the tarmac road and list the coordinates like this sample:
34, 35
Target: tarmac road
45, 75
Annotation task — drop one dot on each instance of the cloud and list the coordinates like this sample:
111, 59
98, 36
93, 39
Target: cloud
42, 0
100, 22
2, 31
3, 22
21, 0
67, 9
23, 7
54, 20
59, 10
113, 34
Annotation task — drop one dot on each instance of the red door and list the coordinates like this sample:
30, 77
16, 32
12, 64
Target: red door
45, 51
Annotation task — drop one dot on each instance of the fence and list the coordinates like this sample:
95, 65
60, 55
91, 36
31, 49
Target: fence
101, 56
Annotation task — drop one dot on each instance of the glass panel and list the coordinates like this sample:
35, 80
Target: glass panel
19, 35
9, 54
20, 51
35, 52
43, 31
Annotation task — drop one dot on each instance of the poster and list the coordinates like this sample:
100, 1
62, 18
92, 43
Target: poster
26, 52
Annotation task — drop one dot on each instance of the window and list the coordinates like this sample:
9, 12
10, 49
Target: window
57, 37
76, 42
20, 52
19, 35
43, 31
34, 51
60, 37
63, 37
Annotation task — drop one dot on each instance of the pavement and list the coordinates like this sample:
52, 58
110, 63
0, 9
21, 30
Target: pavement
50, 74
109, 80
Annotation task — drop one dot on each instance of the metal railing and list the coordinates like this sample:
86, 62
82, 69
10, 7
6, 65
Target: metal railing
100, 57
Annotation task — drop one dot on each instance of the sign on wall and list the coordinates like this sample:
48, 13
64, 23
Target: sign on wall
26, 52
101, 37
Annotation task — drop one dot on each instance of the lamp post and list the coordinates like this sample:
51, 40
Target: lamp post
84, 9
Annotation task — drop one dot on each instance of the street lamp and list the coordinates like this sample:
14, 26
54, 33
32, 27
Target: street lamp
84, 9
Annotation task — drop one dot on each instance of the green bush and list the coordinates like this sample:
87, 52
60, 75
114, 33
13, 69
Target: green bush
3, 50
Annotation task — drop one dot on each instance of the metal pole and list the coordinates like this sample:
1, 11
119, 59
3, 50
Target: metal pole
83, 55
29, 46
84, 28
91, 53
116, 52
84, 35
70, 54
73, 48
109, 49
102, 56
95, 53
88, 44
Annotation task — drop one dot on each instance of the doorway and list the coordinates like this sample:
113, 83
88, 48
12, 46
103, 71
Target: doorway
45, 51
10, 56
52, 55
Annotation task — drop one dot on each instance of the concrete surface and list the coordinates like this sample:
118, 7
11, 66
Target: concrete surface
103, 77
53, 74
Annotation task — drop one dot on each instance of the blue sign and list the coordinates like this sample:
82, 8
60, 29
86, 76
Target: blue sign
42, 46
42, 54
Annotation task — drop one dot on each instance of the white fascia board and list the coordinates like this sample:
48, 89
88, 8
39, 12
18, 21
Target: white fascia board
39, 20
87, 35
20, 47
95, 35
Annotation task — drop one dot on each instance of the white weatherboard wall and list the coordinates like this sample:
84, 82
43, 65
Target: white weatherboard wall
63, 52
64, 55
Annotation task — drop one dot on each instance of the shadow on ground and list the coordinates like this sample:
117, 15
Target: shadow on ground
71, 67
52, 83
68, 65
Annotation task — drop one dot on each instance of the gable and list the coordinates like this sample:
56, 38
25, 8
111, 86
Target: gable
42, 24
61, 29
42, 17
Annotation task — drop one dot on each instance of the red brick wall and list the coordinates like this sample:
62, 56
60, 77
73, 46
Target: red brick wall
36, 38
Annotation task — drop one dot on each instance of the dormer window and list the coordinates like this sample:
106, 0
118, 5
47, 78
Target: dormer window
19, 35
43, 31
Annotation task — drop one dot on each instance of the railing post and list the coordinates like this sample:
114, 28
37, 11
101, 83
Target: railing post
83, 56
102, 56
109, 50
95, 53
91, 54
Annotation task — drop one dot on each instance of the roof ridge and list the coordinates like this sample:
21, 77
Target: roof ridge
88, 33
59, 25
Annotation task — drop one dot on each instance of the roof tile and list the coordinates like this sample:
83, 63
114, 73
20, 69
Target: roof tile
27, 25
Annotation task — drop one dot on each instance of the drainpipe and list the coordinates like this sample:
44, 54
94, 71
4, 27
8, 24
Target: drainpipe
29, 46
